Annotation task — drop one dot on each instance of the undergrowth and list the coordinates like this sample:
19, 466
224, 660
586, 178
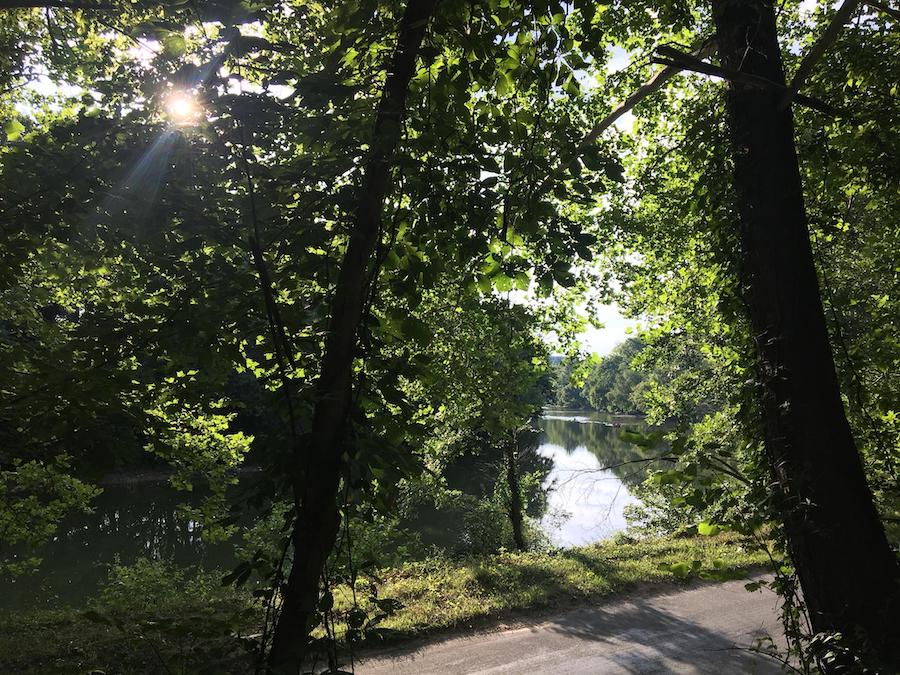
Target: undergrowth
152, 617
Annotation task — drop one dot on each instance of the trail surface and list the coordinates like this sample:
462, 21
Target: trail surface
700, 630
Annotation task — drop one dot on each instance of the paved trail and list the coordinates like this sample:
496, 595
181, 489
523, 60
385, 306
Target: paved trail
699, 630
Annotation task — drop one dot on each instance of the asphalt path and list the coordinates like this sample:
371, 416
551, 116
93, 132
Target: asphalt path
703, 629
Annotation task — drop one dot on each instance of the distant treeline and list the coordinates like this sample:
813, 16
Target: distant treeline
609, 384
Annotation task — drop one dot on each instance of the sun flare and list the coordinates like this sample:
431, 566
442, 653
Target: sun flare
182, 107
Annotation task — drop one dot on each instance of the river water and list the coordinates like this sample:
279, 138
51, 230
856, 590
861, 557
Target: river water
592, 468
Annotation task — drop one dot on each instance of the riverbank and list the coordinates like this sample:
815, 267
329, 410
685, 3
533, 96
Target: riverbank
193, 621
442, 594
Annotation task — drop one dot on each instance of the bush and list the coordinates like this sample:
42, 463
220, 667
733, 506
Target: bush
159, 584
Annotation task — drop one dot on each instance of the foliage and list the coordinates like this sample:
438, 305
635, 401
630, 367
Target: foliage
166, 283
150, 617
661, 375
438, 593
157, 584
189, 620
608, 384
33, 498
566, 390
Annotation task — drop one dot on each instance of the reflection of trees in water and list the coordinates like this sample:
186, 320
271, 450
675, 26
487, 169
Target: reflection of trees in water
140, 521
477, 470
476, 522
144, 520
606, 443
128, 522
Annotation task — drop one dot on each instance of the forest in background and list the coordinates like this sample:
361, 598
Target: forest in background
329, 240
609, 383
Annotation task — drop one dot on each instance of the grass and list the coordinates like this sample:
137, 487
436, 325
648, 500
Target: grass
441, 594
193, 628
151, 617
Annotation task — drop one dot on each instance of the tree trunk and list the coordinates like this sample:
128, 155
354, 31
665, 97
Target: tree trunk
515, 492
847, 571
318, 470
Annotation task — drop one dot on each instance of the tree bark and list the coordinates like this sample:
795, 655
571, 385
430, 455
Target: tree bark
318, 472
847, 571
515, 492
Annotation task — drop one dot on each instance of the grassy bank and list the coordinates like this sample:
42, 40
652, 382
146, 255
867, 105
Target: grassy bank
149, 620
442, 594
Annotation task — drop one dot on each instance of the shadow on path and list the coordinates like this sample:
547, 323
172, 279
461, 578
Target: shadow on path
701, 630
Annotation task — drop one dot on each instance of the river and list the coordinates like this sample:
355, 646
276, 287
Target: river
594, 469
585, 502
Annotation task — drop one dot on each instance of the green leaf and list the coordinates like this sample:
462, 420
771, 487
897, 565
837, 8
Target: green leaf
680, 569
615, 171
708, 529
174, 44
503, 283
415, 329
13, 129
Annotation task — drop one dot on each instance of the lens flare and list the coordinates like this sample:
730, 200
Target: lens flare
182, 108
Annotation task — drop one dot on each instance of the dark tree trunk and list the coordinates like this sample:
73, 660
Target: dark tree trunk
515, 492
319, 470
847, 571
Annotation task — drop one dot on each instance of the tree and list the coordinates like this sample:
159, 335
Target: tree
493, 390
317, 468
565, 391
287, 238
831, 520
249, 204
609, 385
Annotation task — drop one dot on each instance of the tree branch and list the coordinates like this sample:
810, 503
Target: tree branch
890, 11
688, 62
651, 86
817, 51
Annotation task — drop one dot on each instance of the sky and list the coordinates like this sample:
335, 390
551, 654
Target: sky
602, 340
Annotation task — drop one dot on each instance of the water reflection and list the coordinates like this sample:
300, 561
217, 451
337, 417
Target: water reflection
474, 522
586, 463
128, 522
595, 461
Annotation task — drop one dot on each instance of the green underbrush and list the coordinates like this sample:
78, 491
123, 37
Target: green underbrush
153, 618
150, 617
